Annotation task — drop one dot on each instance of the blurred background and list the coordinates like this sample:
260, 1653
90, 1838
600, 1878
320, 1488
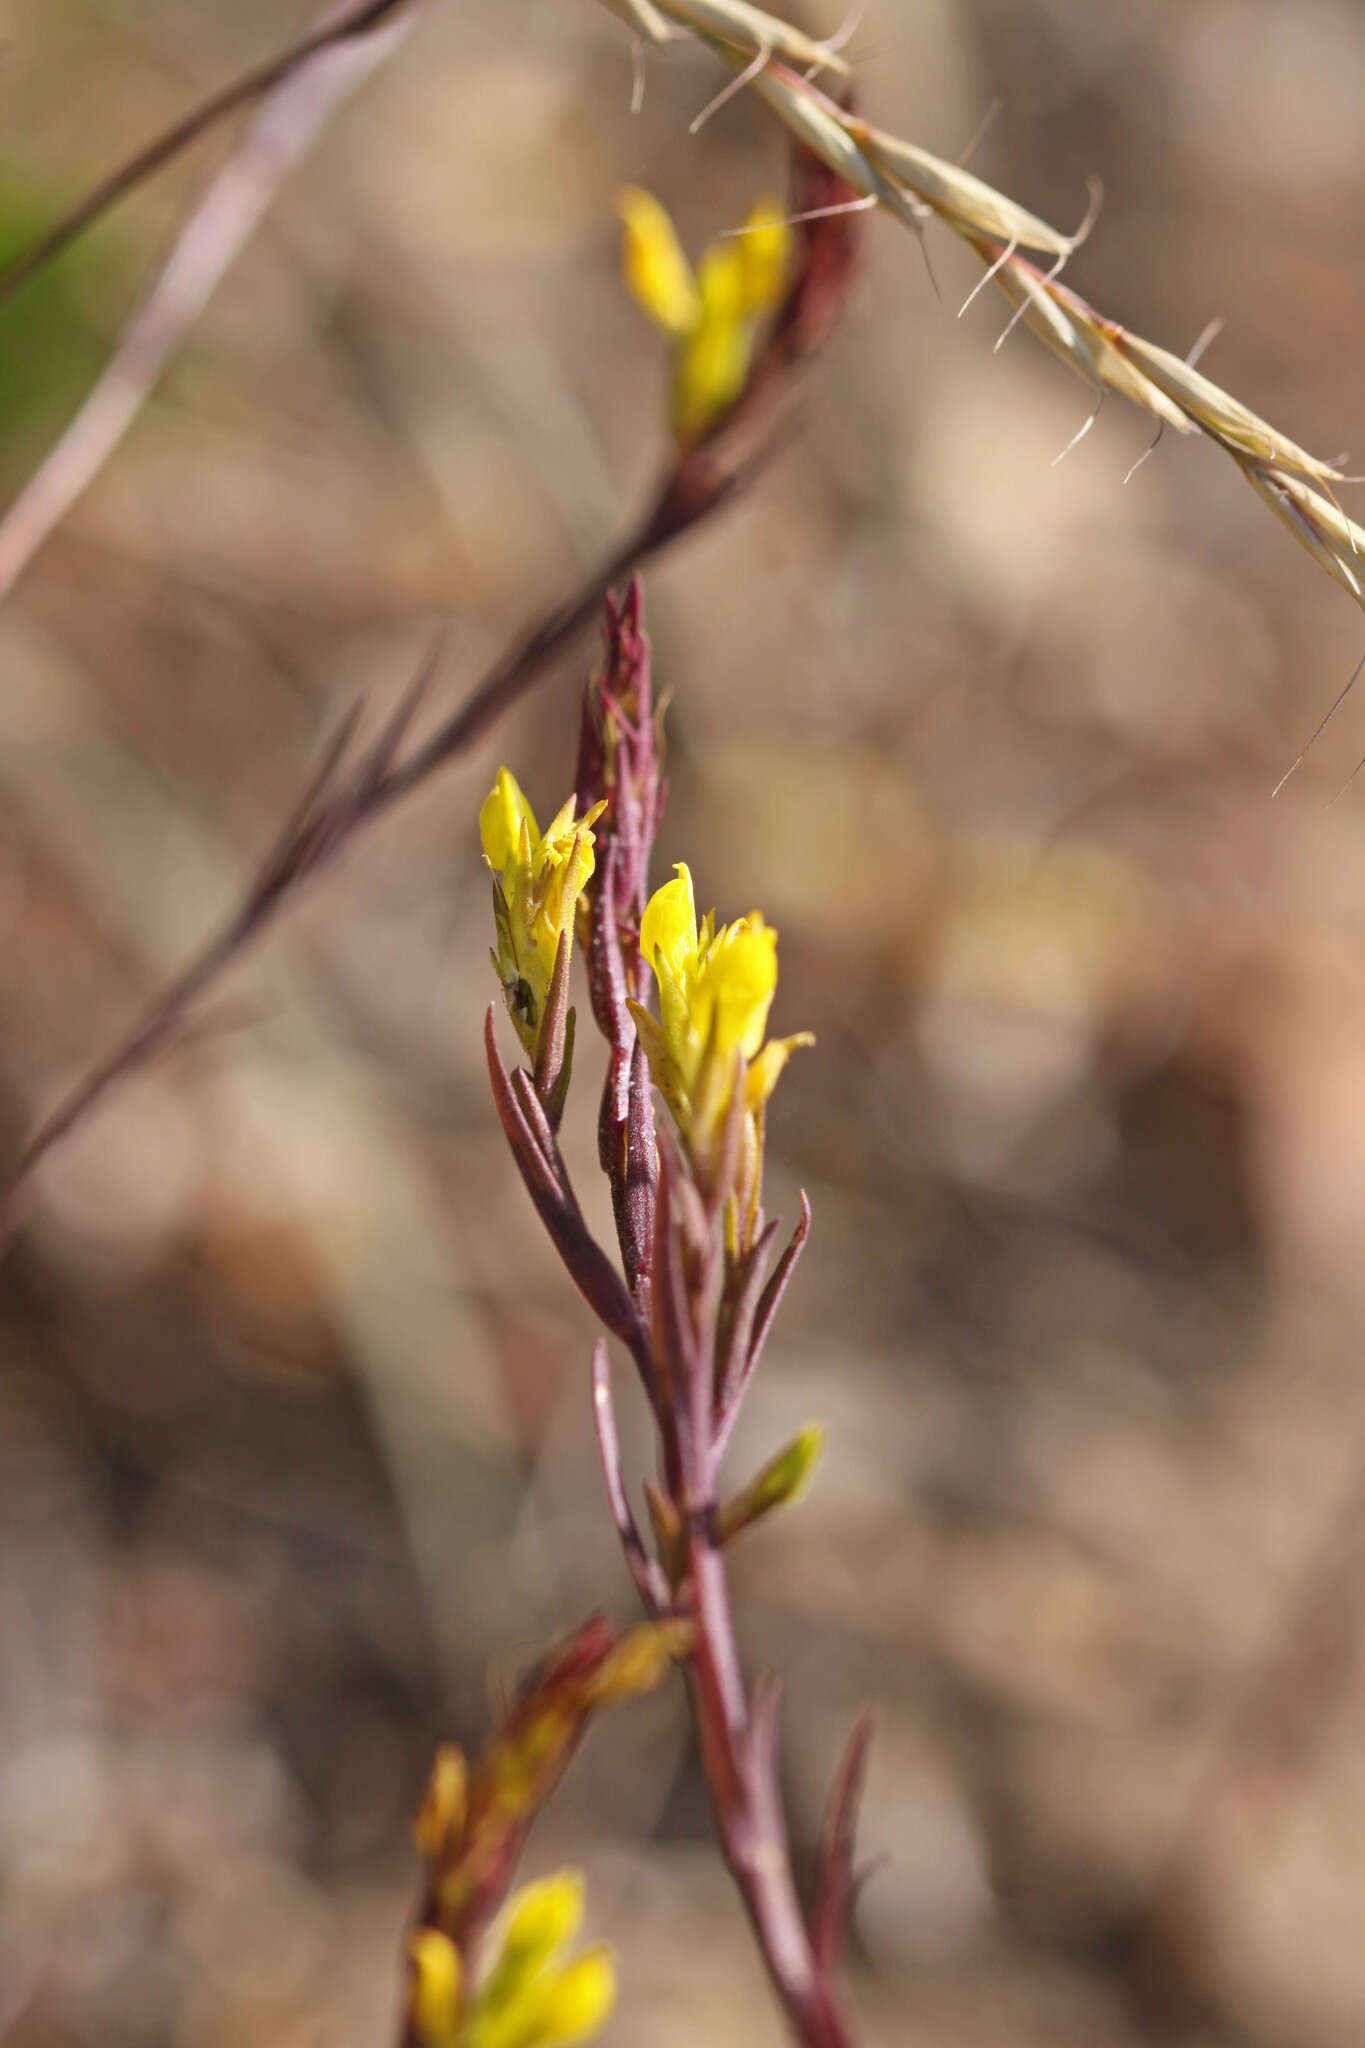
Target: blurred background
296, 1468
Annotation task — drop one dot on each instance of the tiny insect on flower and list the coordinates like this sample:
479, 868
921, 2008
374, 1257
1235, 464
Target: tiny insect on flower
537, 878
713, 314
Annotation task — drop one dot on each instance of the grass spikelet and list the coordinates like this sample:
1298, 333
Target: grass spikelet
962, 200
1335, 542
821, 126
1071, 329
1223, 417
738, 26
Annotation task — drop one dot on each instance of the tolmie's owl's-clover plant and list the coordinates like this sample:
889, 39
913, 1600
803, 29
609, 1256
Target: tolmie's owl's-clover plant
684, 1006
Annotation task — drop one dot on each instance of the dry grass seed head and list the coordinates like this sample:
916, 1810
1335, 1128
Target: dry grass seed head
1216, 411
964, 201
748, 29
1335, 542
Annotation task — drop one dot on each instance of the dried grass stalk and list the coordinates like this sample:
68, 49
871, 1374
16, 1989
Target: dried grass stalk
914, 185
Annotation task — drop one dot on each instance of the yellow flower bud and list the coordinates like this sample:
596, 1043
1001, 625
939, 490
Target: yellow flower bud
436, 1975
783, 1479
506, 822
530, 1999
441, 1814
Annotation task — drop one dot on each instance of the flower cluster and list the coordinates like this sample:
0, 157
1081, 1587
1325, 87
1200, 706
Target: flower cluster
534, 1994
537, 877
715, 990
706, 1047
713, 313
530, 1991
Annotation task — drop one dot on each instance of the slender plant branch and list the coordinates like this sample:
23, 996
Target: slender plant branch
739, 1751
340, 805
303, 92
338, 25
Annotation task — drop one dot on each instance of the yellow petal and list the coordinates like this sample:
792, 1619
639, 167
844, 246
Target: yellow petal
765, 1070
669, 925
720, 280
739, 978
713, 363
504, 819
656, 271
579, 2001
543, 1919
765, 253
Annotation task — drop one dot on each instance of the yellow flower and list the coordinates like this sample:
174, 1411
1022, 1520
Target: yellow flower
537, 878
533, 1997
713, 315
715, 991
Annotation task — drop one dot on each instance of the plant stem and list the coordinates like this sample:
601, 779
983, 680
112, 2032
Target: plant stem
740, 1768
